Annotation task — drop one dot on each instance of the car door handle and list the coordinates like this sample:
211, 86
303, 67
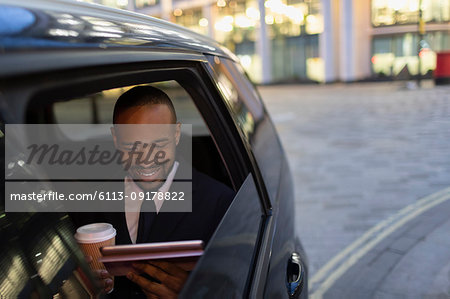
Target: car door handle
295, 275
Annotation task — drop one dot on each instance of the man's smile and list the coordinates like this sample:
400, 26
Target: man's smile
147, 172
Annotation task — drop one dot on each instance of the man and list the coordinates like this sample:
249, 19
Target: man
145, 105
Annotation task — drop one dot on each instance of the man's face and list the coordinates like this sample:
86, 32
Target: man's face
147, 136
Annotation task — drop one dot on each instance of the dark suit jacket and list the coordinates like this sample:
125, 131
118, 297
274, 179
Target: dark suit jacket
210, 200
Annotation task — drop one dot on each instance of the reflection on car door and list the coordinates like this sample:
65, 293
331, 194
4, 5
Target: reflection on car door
226, 265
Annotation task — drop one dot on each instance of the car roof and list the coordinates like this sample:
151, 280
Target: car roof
64, 24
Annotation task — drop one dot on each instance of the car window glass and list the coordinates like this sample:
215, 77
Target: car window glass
248, 112
239, 94
38, 258
228, 262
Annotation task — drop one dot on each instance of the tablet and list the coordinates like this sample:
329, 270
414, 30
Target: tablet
118, 259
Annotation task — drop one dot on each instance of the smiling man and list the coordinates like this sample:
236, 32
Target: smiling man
147, 133
151, 108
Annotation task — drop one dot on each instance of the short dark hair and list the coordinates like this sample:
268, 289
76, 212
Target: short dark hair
142, 96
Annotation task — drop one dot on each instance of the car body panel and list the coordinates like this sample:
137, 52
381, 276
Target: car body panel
61, 60
43, 25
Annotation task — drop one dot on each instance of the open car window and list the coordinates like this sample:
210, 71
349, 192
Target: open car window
97, 108
91, 104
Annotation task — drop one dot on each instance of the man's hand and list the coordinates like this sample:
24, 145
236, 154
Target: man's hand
171, 276
106, 279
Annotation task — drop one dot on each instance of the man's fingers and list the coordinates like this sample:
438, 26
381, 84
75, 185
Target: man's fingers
105, 274
174, 282
153, 271
106, 280
150, 287
170, 268
175, 277
108, 285
102, 274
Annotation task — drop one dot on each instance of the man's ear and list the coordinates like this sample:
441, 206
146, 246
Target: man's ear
114, 136
177, 133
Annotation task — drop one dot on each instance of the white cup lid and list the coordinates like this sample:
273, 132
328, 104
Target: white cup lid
95, 232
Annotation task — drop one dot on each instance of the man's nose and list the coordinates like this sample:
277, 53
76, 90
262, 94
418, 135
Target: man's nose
145, 156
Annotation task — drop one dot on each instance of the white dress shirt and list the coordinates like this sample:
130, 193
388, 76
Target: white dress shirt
133, 207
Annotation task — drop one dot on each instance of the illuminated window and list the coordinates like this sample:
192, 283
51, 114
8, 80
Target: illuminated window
396, 54
192, 19
115, 3
293, 17
294, 26
399, 12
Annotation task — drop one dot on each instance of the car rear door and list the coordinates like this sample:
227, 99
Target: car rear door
279, 263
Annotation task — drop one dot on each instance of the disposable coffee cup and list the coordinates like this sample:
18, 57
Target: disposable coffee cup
92, 237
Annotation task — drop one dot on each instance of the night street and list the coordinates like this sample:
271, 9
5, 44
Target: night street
359, 154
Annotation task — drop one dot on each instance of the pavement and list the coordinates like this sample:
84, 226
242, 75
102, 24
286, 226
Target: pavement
364, 158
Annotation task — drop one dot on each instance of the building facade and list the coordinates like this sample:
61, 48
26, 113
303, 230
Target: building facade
315, 40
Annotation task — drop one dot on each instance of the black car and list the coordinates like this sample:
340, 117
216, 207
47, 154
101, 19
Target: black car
67, 63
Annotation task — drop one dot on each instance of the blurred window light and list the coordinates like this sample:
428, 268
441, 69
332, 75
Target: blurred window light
243, 22
103, 34
279, 19
314, 24
192, 19
228, 19
393, 55
221, 3
382, 63
275, 5
177, 12
399, 12
398, 4
98, 22
252, 13
245, 60
54, 257
14, 278
269, 19
107, 29
315, 69
115, 3
223, 26
203, 22
122, 3
62, 32
67, 21
293, 12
